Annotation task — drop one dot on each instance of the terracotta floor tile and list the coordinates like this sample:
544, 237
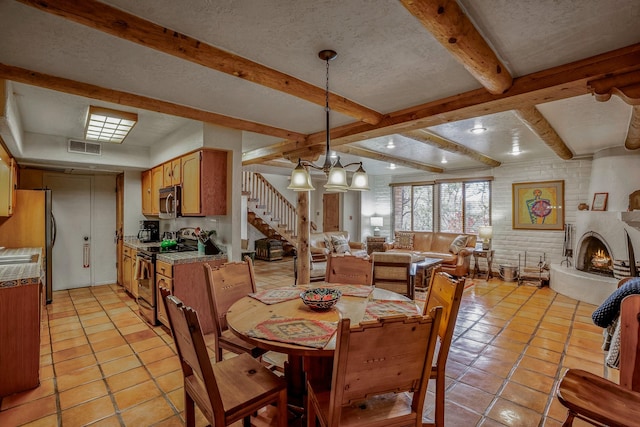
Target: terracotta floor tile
548, 344
28, 412
148, 413
99, 328
534, 380
135, 395
525, 396
112, 421
469, 397
543, 354
172, 381
114, 353
82, 376
536, 365
514, 415
157, 353
82, 394
120, 365
46, 388
164, 366
128, 379
149, 343
89, 412
494, 366
140, 336
48, 421
105, 344
68, 343
71, 365
482, 380
71, 353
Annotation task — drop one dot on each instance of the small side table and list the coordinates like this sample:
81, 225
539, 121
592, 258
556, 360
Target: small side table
375, 244
486, 254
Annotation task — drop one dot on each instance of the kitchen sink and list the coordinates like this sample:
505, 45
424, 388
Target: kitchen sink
18, 259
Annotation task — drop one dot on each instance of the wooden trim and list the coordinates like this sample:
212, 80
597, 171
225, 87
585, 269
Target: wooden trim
561, 82
475, 179
129, 27
434, 140
633, 134
413, 183
535, 121
60, 84
448, 23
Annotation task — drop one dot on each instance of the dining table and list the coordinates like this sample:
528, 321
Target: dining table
278, 320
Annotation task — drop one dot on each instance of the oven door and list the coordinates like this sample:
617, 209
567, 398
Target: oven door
146, 288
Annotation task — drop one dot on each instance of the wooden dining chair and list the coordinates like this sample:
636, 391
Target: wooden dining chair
599, 401
349, 269
226, 391
380, 373
393, 271
444, 291
226, 284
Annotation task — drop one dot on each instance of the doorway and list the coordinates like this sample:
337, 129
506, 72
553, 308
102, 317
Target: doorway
331, 212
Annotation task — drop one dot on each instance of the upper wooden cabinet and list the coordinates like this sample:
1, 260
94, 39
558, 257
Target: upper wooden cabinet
204, 183
172, 175
202, 176
157, 175
8, 184
147, 206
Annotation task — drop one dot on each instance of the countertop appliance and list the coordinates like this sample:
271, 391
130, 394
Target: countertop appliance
149, 231
32, 225
170, 199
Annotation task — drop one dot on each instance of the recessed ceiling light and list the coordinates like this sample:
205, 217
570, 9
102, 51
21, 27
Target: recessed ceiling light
515, 150
392, 165
443, 160
107, 125
477, 129
390, 144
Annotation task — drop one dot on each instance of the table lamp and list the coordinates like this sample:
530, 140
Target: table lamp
376, 222
485, 233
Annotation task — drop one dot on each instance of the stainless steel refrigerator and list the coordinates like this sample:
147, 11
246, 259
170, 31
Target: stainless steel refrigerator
32, 225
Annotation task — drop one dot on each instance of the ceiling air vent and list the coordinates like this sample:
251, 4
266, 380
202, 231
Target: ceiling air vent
84, 147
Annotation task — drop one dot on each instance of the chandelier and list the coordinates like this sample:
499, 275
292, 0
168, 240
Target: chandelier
335, 172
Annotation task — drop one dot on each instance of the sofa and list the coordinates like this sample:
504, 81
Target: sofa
454, 249
325, 243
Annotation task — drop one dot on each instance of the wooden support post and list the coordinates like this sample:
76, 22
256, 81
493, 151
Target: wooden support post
304, 256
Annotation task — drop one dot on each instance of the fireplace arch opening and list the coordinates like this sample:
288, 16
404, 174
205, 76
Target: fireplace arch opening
594, 255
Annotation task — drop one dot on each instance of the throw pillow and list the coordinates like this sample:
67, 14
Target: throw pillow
403, 240
328, 245
458, 244
340, 244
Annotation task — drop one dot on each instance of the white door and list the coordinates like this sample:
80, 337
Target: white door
71, 205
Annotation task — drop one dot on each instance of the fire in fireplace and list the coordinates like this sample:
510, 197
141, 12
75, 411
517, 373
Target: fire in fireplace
594, 256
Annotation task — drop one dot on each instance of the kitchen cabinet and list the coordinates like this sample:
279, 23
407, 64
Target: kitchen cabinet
188, 283
20, 311
147, 208
157, 182
129, 281
171, 173
204, 183
164, 278
8, 185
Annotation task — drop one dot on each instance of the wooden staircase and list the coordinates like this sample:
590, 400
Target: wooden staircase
269, 211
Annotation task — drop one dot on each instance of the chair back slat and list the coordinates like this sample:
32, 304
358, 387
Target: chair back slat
191, 346
227, 284
630, 342
444, 291
391, 355
349, 269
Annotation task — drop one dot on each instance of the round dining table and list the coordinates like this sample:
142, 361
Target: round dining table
247, 313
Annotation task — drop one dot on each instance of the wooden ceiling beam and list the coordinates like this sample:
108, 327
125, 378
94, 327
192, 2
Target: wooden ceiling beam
561, 82
374, 155
536, 122
451, 26
87, 90
437, 141
626, 86
129, 27
633, 134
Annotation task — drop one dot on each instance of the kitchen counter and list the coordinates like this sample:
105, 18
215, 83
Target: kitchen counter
188, 257
21, 274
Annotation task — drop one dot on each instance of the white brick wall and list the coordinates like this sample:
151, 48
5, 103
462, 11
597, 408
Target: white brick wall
507, 243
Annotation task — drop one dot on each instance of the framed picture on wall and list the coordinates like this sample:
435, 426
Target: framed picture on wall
599, 202
538, 205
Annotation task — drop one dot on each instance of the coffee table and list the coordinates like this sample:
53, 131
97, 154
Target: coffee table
423, 272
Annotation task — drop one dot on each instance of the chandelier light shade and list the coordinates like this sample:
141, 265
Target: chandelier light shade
335, 172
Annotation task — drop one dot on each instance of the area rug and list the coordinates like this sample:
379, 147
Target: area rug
305, 332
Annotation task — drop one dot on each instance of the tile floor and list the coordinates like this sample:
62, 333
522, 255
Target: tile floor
103, 366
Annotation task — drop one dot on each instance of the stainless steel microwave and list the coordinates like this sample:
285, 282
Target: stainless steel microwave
170, 198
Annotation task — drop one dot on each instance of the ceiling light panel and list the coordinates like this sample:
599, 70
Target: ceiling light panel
107, 125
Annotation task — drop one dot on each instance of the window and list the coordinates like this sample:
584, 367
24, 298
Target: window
461, 206
413, 207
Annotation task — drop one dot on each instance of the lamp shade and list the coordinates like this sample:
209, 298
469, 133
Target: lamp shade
360, 180
300, 179
485, 232
376, 221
